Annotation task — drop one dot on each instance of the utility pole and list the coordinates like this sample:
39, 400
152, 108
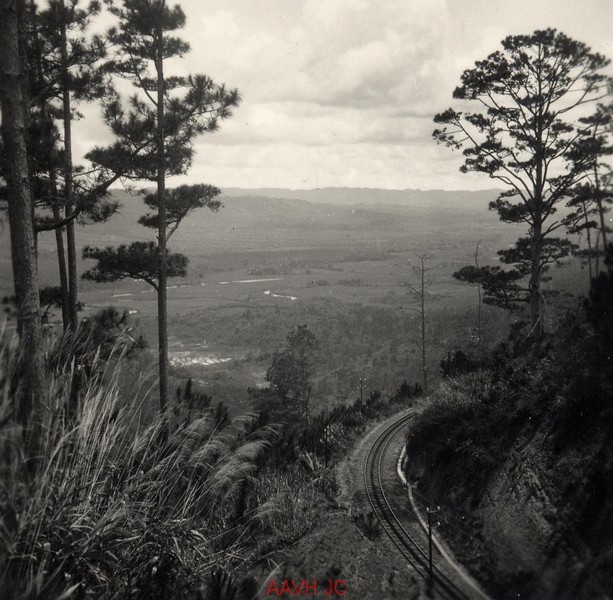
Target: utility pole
361, 392
430, 511
326, 446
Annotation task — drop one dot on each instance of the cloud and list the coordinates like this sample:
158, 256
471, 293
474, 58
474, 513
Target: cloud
315, 125
342, 92
332, 72
373, 57
336, 92
384, 165
336, 52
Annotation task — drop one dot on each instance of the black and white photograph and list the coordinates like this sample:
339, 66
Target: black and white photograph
306, 299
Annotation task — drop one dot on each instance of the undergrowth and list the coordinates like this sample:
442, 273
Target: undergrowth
110, 507
119, 503
550, 404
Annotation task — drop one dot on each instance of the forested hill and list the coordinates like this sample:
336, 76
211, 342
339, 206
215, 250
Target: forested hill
374, 196
265, 215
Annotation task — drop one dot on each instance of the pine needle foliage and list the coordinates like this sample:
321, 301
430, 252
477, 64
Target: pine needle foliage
525, 126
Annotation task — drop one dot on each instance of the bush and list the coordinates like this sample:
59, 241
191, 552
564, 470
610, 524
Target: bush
368, 522
456, 364
467, 428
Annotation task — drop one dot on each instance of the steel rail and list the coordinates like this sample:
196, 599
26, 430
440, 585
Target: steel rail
401, 538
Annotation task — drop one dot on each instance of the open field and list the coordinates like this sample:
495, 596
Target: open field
261, 266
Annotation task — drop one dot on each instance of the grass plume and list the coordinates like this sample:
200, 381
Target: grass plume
107, 509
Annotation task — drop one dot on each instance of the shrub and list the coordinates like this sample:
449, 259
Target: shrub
368, 522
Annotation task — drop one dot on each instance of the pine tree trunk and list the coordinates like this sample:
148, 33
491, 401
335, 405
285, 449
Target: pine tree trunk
71, 250
23, 246
589, 240
161, 190
601, 214
57, 217
61, 261
534, 285
479, 301
536, 317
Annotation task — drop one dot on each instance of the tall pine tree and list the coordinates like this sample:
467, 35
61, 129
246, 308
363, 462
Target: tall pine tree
69, 74
525, 131
593, 198
170, 113
23, 247
61, 60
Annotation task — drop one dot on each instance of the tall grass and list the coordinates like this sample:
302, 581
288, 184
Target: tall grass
109, 507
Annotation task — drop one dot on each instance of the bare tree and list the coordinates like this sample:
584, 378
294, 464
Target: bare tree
419, 294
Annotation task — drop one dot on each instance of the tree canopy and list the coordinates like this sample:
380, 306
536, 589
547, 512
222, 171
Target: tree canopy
192, 105
526, 130
180, 201
290, 374
138, 260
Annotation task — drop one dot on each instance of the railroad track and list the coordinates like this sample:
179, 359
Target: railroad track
414, 550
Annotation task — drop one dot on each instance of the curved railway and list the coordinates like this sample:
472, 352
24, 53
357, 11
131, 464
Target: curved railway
413, 550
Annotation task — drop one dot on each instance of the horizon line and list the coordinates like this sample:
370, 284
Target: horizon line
332, 187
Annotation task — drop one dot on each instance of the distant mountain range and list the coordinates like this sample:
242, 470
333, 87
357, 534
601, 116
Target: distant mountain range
344, 196
341, 208
256, 219
372, 196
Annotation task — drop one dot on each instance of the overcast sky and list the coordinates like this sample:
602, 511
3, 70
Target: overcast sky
342, 92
